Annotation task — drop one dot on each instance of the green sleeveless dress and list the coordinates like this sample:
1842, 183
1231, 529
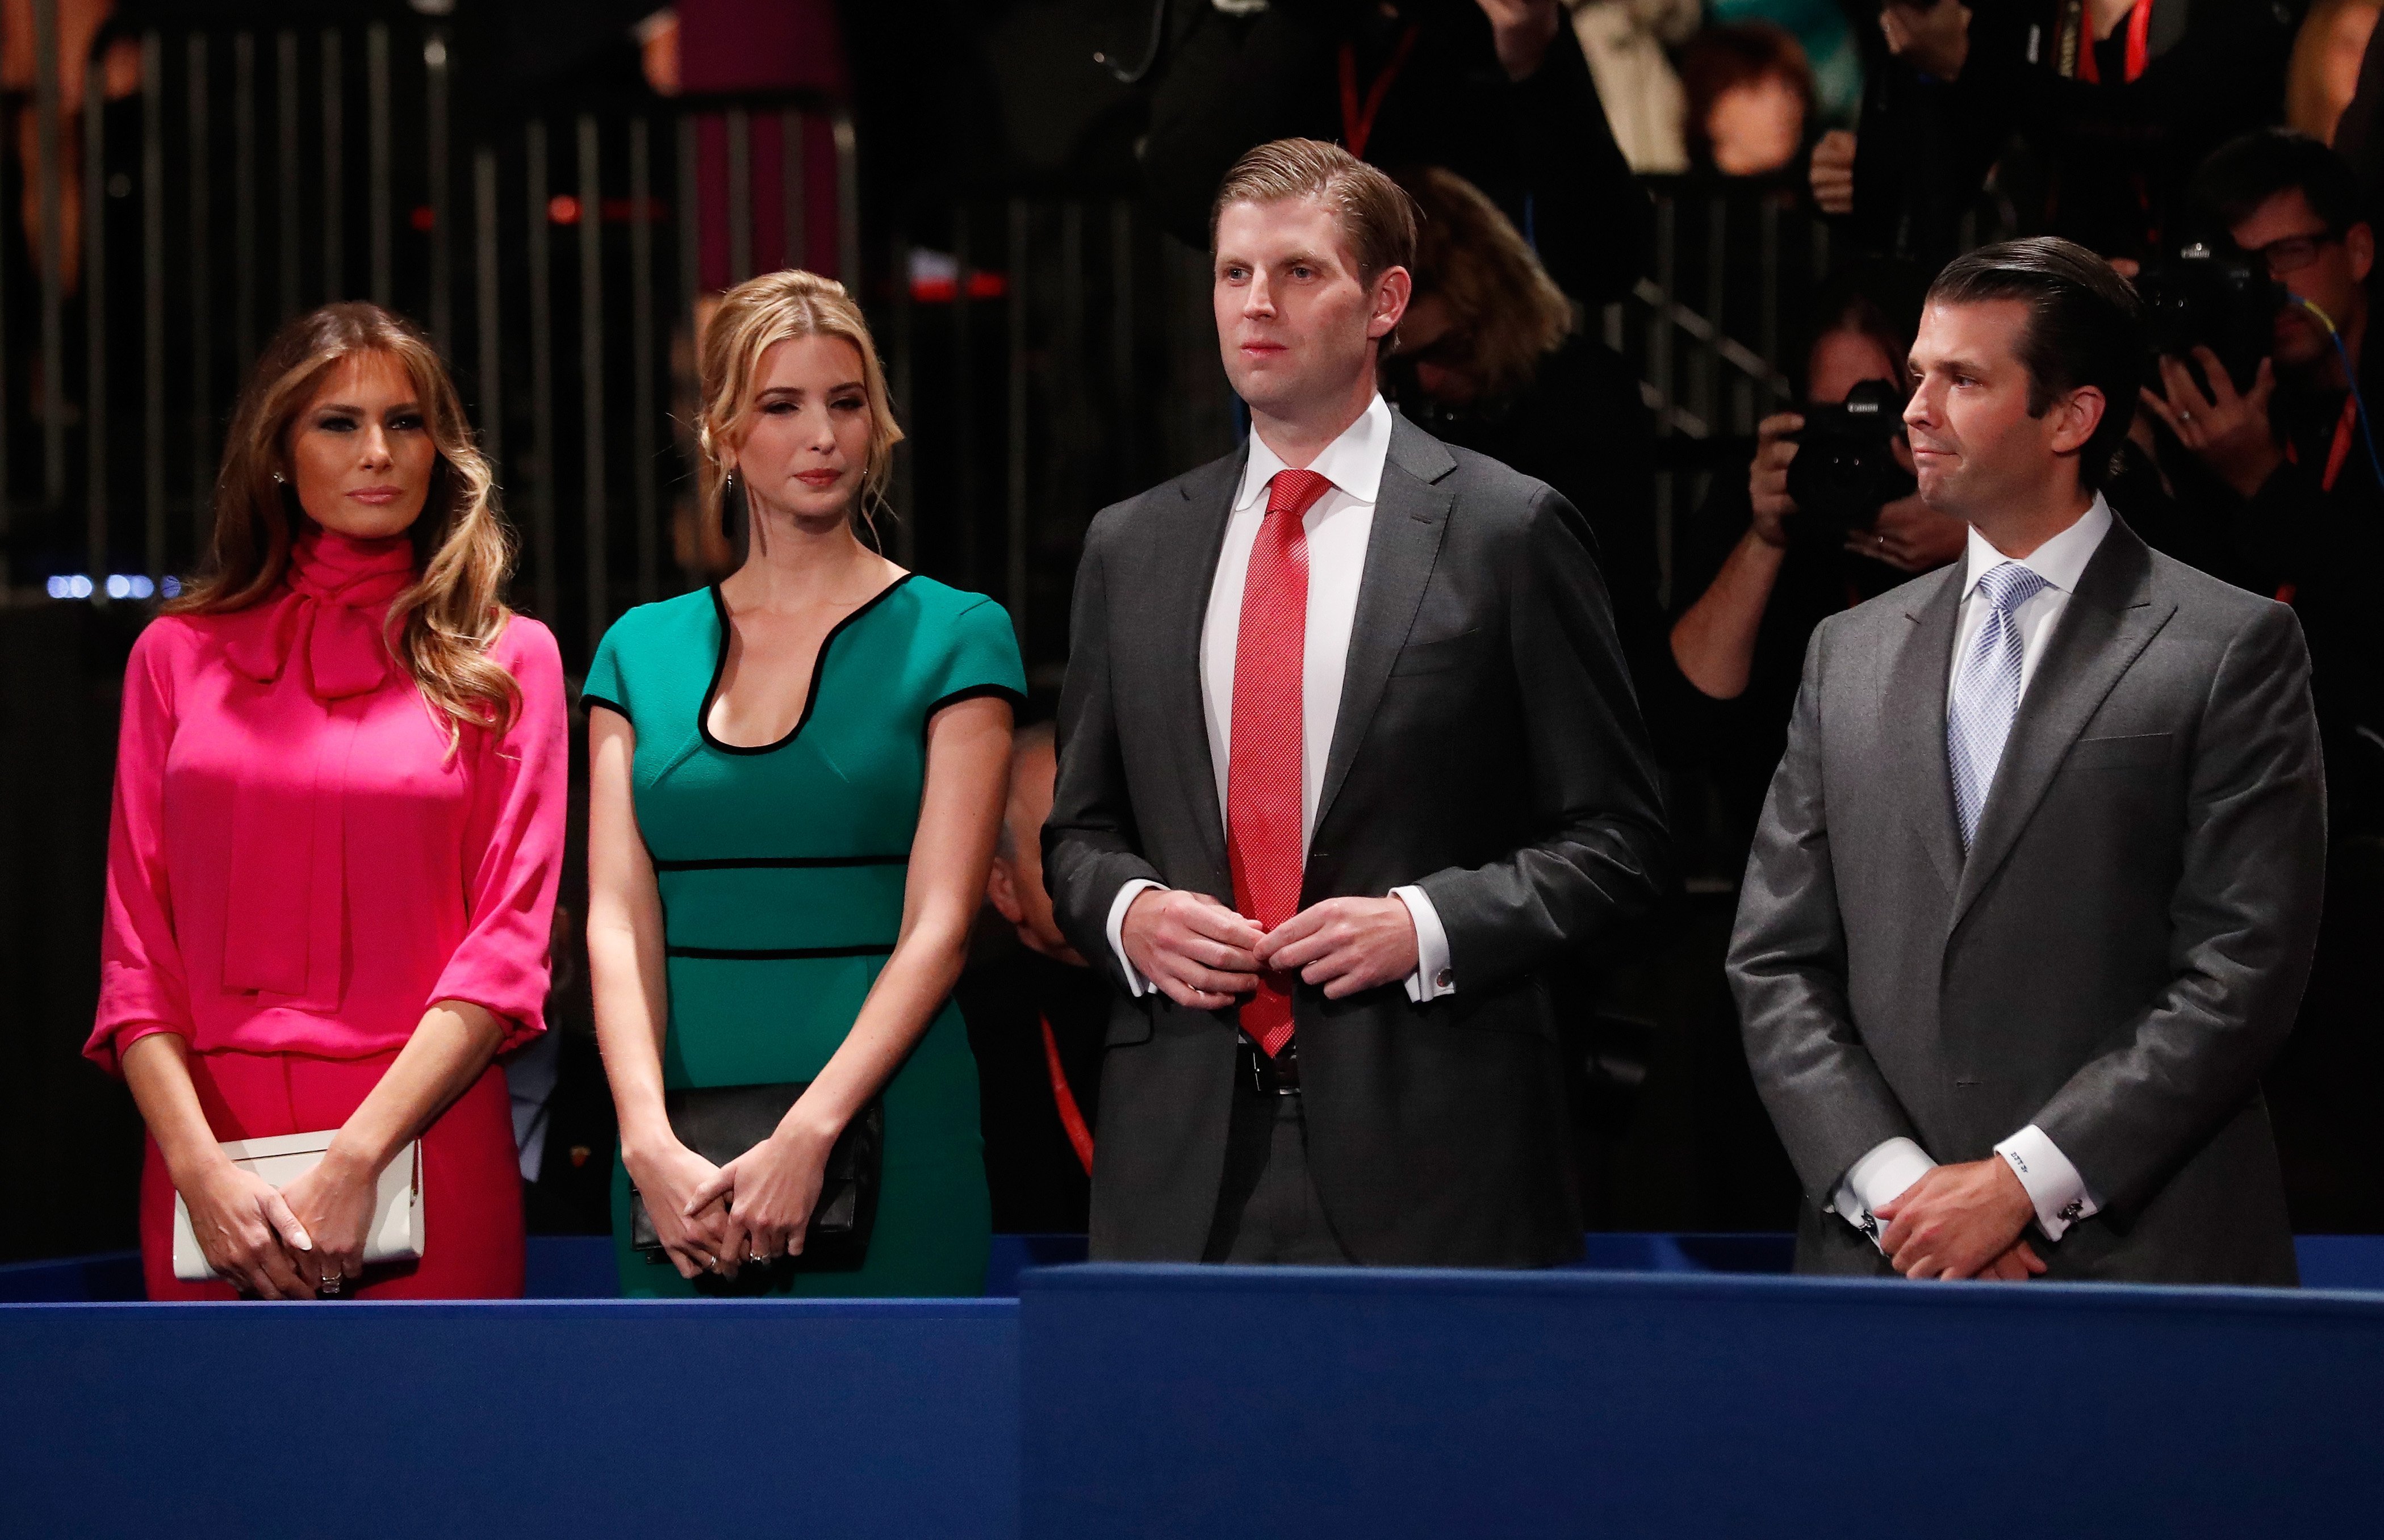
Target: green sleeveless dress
781, 870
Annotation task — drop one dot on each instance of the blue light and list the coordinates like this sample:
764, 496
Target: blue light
142, 587
61, 587
119, 586
173, 588
78, 587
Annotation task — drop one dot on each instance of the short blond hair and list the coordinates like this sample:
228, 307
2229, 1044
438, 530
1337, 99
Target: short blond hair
752, 318
1377, 218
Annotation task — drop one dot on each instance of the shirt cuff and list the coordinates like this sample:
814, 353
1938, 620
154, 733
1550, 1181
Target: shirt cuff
2055, 1188
1431, 978
1878, 1177
1135, 984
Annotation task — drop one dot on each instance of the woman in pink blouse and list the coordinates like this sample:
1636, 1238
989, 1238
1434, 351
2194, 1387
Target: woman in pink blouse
338, 822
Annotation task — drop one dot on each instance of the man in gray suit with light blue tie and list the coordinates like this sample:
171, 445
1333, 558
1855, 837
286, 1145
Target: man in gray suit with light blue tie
2033, 898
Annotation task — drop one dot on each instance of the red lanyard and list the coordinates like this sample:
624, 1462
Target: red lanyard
2338, 451
1071, 1118
2140, 33
1357, 122
2341, 449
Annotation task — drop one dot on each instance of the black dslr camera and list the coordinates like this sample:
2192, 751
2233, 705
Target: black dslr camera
1846, 468
2210, 297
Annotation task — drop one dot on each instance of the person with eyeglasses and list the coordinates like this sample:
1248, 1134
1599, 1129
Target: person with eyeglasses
2290, 471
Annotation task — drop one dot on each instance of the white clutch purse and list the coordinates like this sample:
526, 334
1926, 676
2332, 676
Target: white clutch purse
396, 1233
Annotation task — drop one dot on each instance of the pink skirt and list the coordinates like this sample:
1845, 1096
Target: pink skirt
471, 1181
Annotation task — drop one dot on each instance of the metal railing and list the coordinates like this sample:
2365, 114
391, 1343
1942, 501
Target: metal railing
1046, 355
254, 175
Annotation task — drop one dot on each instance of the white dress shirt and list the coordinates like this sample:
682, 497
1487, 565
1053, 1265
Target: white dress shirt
2055, 1188
1337, 525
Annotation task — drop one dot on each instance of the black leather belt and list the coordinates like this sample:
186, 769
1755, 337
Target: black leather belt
1275, 1077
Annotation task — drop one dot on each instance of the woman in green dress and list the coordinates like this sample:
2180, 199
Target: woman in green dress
795, 779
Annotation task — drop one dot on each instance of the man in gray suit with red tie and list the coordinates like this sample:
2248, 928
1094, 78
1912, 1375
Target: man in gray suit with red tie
1348, 763
2033, 899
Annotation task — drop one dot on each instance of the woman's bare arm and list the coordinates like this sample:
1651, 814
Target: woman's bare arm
775, 1185
627, 971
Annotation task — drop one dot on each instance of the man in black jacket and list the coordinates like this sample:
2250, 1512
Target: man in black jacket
1348, 763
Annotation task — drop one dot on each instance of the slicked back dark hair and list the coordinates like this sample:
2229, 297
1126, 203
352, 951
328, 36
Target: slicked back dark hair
2247, 171
2085, 327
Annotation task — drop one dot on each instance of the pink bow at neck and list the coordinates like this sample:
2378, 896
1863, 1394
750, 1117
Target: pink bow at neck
338, 593
288, 882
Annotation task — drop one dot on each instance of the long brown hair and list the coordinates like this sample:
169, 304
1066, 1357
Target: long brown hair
753, 317
440, 628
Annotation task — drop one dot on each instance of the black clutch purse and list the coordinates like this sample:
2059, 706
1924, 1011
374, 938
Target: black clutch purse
722, 1123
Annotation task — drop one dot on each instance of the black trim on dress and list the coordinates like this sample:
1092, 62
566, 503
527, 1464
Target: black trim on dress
776, 954
1017, 700
819, 667
593, 701
736, 862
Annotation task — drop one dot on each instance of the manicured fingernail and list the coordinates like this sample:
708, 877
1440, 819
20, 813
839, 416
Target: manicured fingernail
305, 1241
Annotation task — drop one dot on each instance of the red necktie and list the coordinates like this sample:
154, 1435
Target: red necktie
1262, 798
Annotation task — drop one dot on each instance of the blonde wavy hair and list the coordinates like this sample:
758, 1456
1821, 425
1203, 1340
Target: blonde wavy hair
752, 318
440, 628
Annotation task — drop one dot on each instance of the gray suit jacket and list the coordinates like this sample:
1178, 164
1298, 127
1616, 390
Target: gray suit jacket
1488, 748
2116, 958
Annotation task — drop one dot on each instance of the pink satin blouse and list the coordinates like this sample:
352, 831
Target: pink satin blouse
295, 863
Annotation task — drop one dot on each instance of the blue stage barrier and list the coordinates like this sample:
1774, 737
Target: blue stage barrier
581, 1267
1215, 1401
895, 1418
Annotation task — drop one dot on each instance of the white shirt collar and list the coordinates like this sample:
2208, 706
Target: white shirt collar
2060, 561
1352, 462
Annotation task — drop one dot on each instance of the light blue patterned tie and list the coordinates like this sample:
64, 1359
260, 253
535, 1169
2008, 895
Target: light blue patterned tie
1986, 692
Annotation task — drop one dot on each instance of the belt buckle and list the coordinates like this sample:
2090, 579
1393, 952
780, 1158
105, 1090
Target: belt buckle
1267, 1077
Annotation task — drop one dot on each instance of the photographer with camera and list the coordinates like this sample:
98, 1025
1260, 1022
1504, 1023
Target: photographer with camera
2287, 466
1826, 516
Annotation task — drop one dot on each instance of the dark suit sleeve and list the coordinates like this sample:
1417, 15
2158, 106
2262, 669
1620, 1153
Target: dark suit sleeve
1603, 856
1787, 969
2244, 923
1090, 846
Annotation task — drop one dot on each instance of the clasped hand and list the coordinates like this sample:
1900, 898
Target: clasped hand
1201, 954
758, 1207
1961, 1222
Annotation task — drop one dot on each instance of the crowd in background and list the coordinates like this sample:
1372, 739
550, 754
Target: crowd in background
2160, 133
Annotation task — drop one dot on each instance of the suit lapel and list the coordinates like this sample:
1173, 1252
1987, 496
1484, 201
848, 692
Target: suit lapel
1411, 515
1183, 573
1913, 724
2102, 630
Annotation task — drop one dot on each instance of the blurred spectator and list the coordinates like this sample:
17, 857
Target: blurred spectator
79, 24
1824, 36
1625, 41
2112, 101
2290, 467
1036, 1020
1758, 580
1930, 148
1749, 95
1495, 89
1488, 358
2324, 72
